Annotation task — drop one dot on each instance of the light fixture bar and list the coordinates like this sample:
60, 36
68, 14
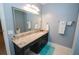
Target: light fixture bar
31, 8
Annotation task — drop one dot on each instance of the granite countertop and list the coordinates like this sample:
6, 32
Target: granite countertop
28, 38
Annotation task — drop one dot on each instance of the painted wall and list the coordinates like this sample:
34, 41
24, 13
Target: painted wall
75, 48
53, 13
7, 17
4, 28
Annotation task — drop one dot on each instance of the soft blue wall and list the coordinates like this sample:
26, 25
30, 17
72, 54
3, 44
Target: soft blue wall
76, 48
53, 13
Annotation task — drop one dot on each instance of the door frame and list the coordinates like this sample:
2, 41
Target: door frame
4, 29
76, 35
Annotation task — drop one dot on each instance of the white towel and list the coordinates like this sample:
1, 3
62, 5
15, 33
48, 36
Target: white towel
62, 26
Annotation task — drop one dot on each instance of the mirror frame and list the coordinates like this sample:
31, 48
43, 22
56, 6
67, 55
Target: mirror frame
14, 8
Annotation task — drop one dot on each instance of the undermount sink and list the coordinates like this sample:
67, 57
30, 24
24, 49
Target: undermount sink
22, 43
17, 36
24, 33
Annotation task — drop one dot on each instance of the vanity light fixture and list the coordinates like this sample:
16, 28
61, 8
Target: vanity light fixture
31, 8
35, 7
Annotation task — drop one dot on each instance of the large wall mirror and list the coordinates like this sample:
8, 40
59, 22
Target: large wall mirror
27, 20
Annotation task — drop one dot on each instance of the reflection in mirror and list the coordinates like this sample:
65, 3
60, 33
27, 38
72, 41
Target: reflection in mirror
26, 19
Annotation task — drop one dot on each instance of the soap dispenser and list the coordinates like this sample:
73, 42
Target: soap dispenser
17, 30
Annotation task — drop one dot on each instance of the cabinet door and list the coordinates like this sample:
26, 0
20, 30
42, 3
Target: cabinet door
42, 41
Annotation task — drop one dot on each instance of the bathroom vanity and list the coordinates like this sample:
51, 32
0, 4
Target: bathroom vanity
34, 40
28, 33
